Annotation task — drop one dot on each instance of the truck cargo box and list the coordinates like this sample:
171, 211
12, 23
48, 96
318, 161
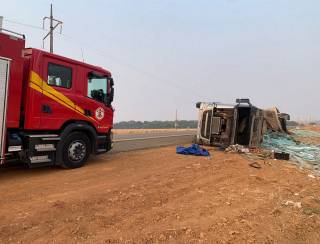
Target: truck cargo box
11, 47
4, 82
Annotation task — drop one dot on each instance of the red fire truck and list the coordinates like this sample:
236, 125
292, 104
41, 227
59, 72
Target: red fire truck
53, 110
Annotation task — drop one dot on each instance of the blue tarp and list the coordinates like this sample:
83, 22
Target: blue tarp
195, 149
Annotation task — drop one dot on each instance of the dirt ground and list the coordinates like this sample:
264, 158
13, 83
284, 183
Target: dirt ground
311, 127
157, 196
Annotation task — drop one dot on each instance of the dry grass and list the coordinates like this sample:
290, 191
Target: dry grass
311, 127
143, 131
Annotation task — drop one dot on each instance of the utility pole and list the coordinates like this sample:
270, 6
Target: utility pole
54, 23
176, 120
1, 19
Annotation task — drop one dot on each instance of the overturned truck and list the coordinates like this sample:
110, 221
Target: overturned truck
240, 123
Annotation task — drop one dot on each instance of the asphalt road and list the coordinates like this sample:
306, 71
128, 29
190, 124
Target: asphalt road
132, 142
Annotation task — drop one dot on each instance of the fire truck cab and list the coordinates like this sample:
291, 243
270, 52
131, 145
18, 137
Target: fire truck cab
54, 110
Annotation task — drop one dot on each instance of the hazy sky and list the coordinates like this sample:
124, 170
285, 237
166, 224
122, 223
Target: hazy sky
166, 55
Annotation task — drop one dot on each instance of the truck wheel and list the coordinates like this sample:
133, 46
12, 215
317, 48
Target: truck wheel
76, 150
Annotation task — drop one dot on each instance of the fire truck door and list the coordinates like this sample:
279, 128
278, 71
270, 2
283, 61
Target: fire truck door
57, 104
94, 99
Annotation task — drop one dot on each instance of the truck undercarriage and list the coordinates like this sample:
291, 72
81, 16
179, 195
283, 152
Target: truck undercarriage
240, 123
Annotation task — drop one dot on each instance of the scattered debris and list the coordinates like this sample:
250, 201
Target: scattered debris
306, 156
237, 148
311, 176
292, 203
256, 150
281, 156
281, 146
262, 155
255, 165
257, 133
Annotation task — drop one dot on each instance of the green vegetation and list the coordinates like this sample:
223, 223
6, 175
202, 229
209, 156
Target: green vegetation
182, 124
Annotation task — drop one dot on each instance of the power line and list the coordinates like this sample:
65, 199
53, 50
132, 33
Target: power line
107, 55
23, 24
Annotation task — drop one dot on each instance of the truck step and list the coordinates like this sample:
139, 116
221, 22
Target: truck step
15, 148
40, 159
45, 148
51, 139
40, 165
44, 136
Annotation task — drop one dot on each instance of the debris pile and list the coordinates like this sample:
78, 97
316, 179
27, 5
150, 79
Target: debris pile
282, 146
251, 153
306, 156
256, 133
237, 148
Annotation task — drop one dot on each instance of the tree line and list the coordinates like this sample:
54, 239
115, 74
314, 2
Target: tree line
157, 124
132, 124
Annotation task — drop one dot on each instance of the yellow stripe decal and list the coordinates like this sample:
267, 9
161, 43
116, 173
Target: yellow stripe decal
41, 86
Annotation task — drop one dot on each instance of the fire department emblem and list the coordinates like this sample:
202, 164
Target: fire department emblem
100, 113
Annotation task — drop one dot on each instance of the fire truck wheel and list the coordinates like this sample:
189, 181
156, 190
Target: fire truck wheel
76, 150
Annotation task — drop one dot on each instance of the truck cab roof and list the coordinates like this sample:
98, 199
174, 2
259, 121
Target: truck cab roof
35, 51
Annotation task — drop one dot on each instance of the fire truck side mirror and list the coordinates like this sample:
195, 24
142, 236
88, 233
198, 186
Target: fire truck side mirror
110, 96
111, 82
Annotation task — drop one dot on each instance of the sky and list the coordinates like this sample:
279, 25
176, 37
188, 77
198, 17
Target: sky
169, 54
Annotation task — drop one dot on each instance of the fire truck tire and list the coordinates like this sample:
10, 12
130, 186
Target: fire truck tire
76, 150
